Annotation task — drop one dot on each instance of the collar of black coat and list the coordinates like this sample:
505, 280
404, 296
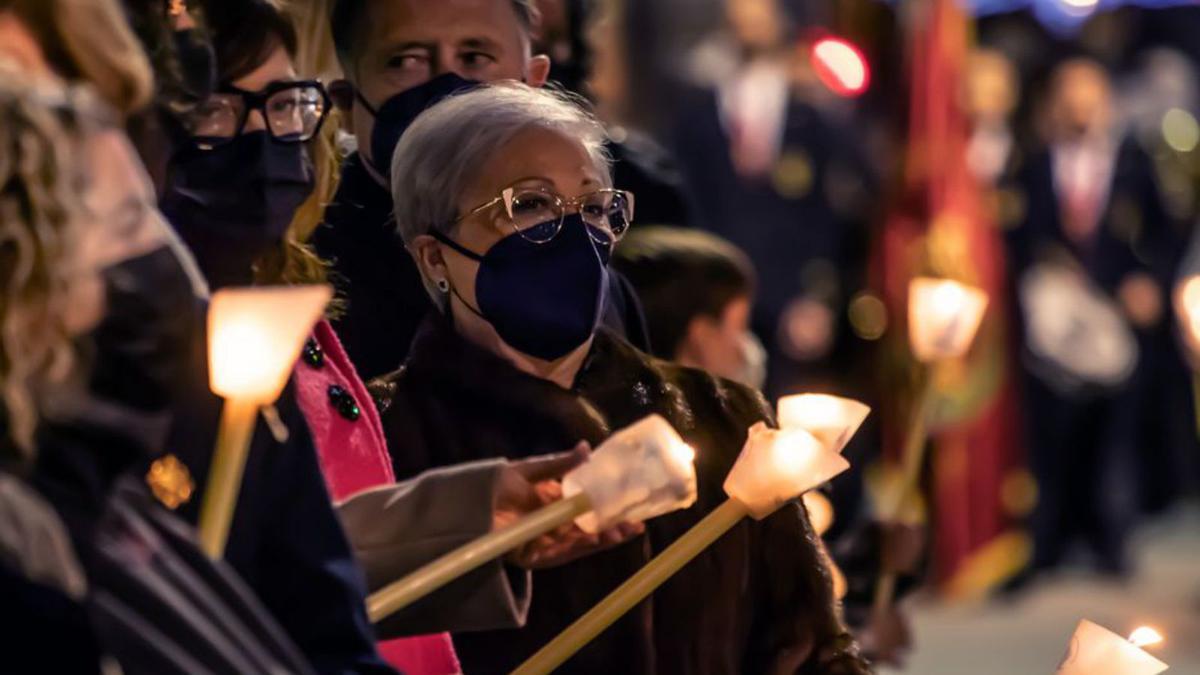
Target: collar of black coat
617, 386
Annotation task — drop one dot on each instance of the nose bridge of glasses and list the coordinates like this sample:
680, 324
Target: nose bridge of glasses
255, 119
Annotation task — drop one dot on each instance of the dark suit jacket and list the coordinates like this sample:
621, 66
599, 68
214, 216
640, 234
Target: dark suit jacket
804, 225
742, 604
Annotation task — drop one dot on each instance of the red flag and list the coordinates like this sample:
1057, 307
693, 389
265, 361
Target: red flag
940, 226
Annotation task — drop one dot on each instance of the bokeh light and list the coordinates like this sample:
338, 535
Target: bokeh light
841, 66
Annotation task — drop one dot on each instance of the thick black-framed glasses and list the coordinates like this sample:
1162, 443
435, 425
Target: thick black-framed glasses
294, 112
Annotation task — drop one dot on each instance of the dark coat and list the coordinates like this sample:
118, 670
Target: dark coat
1085, 446
764, 585
804, 225
285, 540
385, 298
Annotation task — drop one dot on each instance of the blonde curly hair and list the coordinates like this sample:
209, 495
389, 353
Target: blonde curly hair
42, 220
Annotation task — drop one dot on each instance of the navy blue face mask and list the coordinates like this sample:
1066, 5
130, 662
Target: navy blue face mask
233, 203
398, 113
544, 300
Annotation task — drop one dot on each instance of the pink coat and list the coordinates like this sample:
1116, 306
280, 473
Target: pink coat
349, 438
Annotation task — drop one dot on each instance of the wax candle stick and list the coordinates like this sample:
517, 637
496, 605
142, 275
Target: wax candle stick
254, 337
640, 472
775, 466
943, 318
1095, 650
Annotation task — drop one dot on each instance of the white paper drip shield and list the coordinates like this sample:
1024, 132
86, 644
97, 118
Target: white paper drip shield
776, 466
642, 471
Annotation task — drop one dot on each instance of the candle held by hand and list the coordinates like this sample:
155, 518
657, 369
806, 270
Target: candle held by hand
640, 472
778, 465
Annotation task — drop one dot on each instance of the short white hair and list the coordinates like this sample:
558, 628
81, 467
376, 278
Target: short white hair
439, 155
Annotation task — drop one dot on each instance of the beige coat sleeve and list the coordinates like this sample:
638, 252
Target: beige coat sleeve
396, 529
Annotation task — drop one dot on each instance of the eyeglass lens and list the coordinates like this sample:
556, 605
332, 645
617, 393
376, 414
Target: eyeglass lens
538, 215
292, 114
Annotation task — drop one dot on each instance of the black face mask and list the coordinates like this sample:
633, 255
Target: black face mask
197, 63
136, 354
398, 113
232, 204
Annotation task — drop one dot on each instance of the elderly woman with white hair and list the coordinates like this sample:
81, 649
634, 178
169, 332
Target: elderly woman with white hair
503, 196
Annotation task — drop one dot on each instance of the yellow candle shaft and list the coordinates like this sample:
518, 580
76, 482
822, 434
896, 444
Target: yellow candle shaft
403, 592
225, 476
911, 462
634, 590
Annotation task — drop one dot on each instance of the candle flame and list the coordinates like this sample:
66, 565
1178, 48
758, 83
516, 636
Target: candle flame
944, 316
1189, 305
1144, 636
683, 452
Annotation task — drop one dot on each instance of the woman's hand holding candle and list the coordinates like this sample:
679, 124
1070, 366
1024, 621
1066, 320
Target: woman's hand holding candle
640, 472
774, 467
530, 484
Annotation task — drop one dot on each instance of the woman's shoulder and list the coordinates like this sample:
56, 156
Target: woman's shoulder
708, 397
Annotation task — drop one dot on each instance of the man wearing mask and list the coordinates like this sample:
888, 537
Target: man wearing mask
399, 57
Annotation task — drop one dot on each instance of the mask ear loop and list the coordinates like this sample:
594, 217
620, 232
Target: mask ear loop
365, 103
466, 252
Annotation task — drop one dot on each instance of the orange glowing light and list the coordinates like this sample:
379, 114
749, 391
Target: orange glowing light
1144, 636
840, 66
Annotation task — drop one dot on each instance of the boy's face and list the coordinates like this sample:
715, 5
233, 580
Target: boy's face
718, 344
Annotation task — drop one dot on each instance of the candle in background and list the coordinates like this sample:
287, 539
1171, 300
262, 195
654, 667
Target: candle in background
640, 472
943, 317
254, 339
1187, 308
1095, 650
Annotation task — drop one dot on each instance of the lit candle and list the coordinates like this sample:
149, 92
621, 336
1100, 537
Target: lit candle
1095, 650
254, 338
943, 317
832, 419
640, 472
778, 465
774, 467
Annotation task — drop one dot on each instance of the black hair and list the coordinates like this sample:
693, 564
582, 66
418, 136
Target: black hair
681, 274
346, 25
245, 32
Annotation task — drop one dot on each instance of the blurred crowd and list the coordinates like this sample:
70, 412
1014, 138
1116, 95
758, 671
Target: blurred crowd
544, 220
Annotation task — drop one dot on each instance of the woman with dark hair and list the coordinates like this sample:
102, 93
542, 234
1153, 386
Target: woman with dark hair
238, 172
